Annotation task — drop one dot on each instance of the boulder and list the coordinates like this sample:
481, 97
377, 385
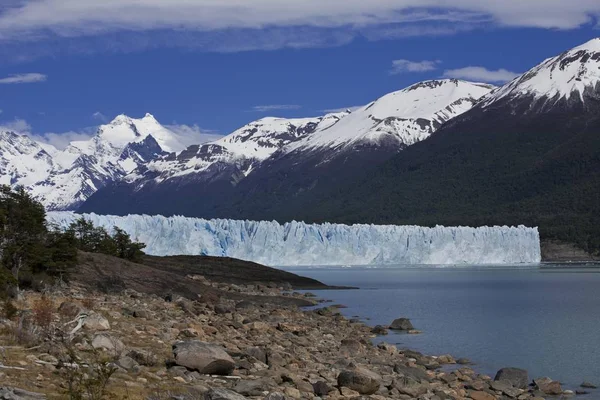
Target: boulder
402, 324
379, 330
143, 357
19, 394
96, 322
108, 343
275, 396
548, 386
257, 353
222, 394
506, 388
127, 363
203, 357
359, 379
516, 377
254, 387
481, 395
142, 314
588, 385
322, 388
69, 309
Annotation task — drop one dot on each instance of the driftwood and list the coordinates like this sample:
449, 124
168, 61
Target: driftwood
2, 366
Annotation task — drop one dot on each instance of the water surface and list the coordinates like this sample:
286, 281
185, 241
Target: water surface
545, 320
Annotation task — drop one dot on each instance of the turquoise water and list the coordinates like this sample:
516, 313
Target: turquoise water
546, 320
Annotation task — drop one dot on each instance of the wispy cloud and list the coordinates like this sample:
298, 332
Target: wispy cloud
404, 66
276, 107
23, 78
481, 74
99, 116
17, 125
128, 25
193, 134
341, 109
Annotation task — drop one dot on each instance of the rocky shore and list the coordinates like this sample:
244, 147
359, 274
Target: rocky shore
229, 341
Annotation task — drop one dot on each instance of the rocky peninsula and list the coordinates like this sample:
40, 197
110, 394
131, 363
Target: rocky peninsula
217, 329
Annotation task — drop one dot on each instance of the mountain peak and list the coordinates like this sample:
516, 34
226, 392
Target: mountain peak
591, 45
570, 76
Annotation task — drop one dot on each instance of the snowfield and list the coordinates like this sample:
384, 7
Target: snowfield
300, 244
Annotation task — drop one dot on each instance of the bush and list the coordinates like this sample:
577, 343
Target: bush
43, 313
9, 311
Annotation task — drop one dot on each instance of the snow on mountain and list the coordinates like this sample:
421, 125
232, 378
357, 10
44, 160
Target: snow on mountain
242, 149
569, 76
63, 179
297, 243
406, 116
23, 161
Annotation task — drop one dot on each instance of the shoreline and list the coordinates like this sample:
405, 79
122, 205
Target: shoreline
234, 342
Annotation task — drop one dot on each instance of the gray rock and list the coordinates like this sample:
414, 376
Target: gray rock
359, 379
516, 377
321, 388
257, 353
69, 309
588, 385
127, 363
203, 357
7, 393
402, 324
109, 343
412, 372
379, 330
253, 387
142, 314
96, 322
275, 396
222, 394
143, 357
224, 309
506, 388
548, 386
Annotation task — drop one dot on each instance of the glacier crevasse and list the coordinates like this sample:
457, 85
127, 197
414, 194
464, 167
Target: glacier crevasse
301, 244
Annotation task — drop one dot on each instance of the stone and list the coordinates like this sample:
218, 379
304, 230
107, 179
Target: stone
360, 379
203, 357
275, 396
548, 386
257, 353
222, 394
347, 392
379, 330
127, 363
506, 388
143, 357
142, 314
402, 324
481, 395
108, 343
7, 393
516, 377
96, 322
413, 372
254, 387
69, 309
293, 393
322, 388
221, 309
463, 361
588, 385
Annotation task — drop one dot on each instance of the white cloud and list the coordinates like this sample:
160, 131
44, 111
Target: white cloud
23, 78
481, 74
234, 25
99, 116
17, 125
193, 134
402, 66
341, 109
276, 107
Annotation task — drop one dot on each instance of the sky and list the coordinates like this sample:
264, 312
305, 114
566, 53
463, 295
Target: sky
207, 67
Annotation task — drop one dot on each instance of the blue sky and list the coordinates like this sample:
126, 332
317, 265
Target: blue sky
206, 66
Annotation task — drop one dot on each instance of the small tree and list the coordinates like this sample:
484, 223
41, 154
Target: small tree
126, 248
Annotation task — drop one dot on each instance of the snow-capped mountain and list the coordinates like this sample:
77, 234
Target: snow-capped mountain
235, 155
23, 161
288, 156
64, 179
400, 118
565, 80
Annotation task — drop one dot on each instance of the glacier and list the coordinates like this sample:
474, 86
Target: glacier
301, 244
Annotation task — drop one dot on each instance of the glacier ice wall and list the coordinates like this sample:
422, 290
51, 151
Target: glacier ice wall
297, 243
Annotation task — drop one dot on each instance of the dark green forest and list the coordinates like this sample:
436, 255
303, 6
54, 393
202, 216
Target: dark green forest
32, 253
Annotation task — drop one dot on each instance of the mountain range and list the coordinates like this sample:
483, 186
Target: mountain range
438, 152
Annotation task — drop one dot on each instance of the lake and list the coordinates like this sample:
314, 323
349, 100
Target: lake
546, 320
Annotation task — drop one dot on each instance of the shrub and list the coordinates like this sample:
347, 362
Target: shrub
43, 313
9, 310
